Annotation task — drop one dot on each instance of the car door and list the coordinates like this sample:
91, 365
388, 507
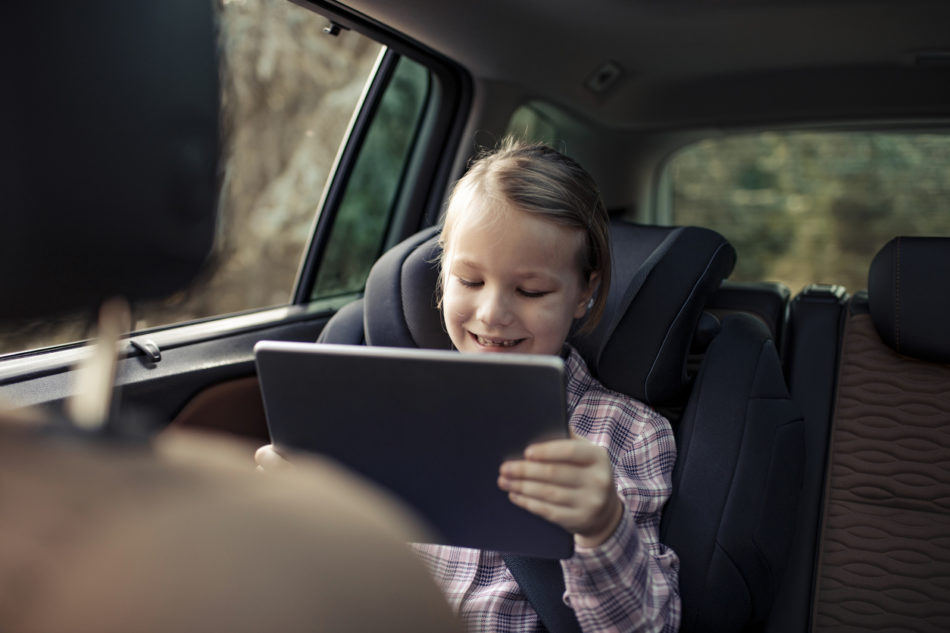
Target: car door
385, 181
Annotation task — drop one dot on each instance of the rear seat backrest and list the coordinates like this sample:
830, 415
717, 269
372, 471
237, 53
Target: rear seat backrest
885, 543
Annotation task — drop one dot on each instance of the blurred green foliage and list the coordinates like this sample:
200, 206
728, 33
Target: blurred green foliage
814, 207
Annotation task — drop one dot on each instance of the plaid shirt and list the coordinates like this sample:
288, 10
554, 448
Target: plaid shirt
628, 583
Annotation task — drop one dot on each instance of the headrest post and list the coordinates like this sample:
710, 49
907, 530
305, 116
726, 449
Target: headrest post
90, 404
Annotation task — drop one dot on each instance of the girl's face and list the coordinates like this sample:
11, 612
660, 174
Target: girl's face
512, 282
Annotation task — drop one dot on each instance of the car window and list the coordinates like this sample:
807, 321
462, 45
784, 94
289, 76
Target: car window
812, 207
289, 92
532, 122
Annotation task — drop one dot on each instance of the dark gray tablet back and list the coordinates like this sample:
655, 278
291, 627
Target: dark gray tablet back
431, 426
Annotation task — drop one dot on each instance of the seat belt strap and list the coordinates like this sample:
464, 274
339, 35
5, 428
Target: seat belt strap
542, 581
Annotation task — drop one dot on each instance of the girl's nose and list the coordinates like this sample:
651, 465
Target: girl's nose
494, 309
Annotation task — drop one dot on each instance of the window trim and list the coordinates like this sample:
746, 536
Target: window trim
18, 367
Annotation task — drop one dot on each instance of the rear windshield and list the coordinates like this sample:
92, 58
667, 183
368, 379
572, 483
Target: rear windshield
813, 207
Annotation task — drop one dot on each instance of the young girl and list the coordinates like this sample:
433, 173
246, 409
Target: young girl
526, 257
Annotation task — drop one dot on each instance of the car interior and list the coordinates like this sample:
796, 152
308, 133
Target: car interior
811, 411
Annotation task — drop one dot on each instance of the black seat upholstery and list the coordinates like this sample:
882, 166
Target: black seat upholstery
811, 343
736, 481
736, 484
662, 279
765, 300
399, 305
908, 298
884, 559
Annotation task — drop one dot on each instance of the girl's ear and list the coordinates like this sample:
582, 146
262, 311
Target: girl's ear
587, 297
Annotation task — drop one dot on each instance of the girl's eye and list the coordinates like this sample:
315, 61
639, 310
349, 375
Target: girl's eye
469, 284
532, 294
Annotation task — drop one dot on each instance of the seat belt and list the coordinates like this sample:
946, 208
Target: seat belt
542, 582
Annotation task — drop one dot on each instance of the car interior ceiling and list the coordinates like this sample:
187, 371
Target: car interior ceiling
727, 62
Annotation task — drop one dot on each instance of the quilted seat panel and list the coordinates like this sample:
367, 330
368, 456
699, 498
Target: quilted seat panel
885, 554
884, 569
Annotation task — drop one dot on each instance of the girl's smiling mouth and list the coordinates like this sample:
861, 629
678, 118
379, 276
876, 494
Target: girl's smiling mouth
487, 341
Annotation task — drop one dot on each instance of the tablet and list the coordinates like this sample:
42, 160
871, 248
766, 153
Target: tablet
431, 426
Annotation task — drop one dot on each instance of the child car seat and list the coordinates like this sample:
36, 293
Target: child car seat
735, 482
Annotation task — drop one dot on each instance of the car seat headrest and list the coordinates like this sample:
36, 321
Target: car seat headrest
662, 278
909, 298
110, 152
400, 307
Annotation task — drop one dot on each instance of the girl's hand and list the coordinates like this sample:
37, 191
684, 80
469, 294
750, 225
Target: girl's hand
269, 460
569, 482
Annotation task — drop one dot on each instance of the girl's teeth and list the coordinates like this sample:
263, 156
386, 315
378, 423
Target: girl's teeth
500, 343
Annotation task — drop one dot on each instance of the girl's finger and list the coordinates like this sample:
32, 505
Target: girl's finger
577, 451
562, 474
548, 493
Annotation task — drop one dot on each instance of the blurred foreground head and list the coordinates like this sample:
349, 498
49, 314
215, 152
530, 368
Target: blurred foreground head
186, 537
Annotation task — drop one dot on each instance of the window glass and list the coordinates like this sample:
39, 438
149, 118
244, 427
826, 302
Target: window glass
359, 229
532, 122
813, 207
288, 94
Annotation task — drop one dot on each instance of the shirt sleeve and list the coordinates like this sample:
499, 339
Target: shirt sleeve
630, 582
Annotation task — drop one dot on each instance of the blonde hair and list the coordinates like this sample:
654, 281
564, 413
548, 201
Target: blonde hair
536, 178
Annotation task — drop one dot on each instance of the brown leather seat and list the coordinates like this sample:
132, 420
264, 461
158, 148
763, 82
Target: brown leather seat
884, 560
